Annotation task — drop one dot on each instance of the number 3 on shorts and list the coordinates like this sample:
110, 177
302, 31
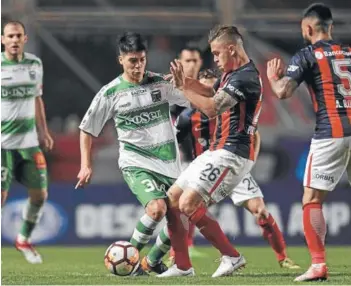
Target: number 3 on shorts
150, 185
4, 173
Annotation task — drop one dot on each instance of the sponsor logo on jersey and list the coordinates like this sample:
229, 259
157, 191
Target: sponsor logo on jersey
156, 95
324, 177
138, 91
318, 55
18, 91
144, 117
336, 53
293, 68
51, 226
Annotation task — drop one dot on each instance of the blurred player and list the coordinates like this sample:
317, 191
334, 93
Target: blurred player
236, 102
247, 194
325, 66
191, 60
23, 127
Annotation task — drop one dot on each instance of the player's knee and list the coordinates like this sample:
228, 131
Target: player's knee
174, 194
188, 203
313, 196
257, 207
156, 209
38, 197
3, 197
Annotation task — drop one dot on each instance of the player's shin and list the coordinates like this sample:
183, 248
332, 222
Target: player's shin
31, 216
160, 248
212, 231
315, 230
178, 225
143, 231
272, 233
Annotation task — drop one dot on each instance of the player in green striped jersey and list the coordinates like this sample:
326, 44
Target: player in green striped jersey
23, 128
138, 101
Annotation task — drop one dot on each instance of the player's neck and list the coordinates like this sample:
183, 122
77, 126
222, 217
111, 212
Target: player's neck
321, 37
13, 58
241, 60
131, 80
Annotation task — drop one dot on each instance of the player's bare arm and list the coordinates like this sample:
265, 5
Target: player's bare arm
86, 171
282, 86
44, 137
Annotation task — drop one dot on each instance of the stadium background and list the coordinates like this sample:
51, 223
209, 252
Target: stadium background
76, 41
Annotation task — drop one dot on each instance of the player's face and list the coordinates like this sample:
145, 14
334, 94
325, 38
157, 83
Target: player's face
14, 39
191, 62
134, 65
223, 55
208, 81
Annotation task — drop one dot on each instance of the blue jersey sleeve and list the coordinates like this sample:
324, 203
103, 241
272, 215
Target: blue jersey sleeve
183, 125
297, 67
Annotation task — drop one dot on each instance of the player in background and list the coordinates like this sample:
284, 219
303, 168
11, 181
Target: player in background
138, 101
236, 102
23, 129
325, 66
247, 194
191, 60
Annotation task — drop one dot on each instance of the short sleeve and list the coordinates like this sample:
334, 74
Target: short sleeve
40, 74
297, 67
176, 97
234, 87
99, 112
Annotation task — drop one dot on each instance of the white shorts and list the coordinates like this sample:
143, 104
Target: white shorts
326, 163
214, 174
246, 190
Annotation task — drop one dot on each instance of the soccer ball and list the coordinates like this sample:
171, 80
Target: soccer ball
121, 258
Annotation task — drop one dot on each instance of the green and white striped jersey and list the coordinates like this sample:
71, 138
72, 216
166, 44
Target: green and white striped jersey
142, 120
21, 82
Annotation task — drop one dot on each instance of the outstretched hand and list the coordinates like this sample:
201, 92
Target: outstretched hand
178, 75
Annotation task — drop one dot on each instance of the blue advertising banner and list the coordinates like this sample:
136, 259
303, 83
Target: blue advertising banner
100, 214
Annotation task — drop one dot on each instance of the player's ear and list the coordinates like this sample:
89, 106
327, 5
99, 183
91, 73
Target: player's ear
120, 60
310, 30
232, 50
2, 39
25, 38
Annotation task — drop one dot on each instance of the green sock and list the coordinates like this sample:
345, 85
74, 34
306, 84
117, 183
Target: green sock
143, 231
160, 248
31, 216
27, 228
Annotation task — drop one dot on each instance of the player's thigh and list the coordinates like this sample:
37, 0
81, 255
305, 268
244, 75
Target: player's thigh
146, 185
246, 190
7, 169
31, 170
215, 173
326, 163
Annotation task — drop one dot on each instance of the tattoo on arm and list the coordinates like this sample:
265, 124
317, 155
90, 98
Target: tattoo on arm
223, 101
284, 87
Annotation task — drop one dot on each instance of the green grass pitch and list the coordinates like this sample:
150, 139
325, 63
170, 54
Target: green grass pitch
84, 266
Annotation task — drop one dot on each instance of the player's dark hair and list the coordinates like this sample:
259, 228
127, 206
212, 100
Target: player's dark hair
190, 49
12, 22
322, 13
230, 33
208, 74
131, 42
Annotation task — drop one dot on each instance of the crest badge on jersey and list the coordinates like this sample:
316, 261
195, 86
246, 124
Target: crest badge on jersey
32, 75
156, 95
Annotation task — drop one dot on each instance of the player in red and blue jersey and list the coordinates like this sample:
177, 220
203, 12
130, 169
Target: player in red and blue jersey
236, 103
247, 194
325, 66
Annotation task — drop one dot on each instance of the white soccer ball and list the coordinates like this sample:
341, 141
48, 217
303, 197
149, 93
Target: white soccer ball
121, 258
